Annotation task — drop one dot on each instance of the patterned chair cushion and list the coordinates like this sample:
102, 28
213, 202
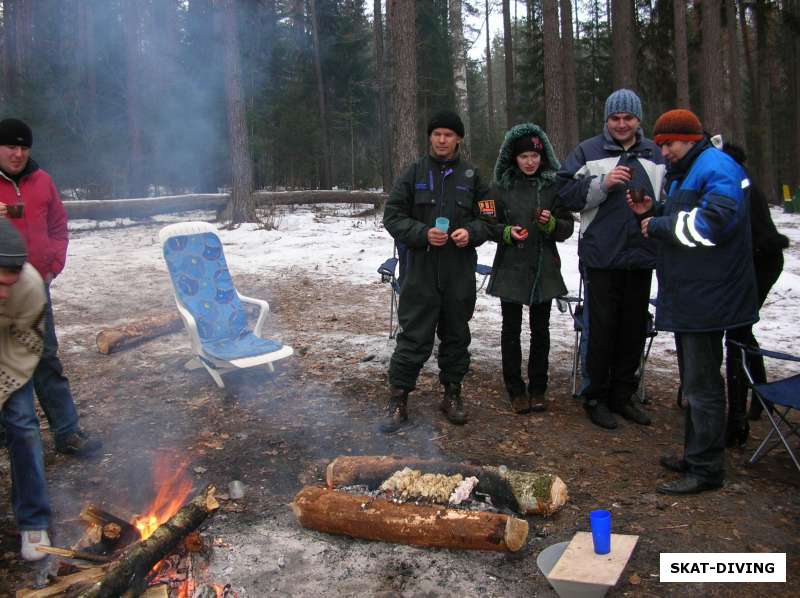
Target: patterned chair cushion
204, 286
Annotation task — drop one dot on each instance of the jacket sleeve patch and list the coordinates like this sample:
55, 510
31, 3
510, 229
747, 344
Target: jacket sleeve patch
487, 207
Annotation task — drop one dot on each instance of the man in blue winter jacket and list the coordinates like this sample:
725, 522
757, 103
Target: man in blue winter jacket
616, 262
706, 283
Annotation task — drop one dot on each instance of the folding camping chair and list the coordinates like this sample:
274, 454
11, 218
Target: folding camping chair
783, 393
210, 306
576, 306
389, 273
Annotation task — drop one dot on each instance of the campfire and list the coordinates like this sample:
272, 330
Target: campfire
158, 553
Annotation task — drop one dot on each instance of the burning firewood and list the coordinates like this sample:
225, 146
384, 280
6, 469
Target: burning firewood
369, 518
65, 584
74, 554
115, 532
130, 572
114, 339
524, 492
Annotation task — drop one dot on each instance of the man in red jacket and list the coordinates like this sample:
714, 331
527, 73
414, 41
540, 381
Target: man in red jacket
30, 200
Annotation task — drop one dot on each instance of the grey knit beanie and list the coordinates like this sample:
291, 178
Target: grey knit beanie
623, 100
12, 248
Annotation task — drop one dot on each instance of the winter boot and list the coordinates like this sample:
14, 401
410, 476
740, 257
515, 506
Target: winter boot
600, 414
631, 412
452, 404
538, 402
397, 411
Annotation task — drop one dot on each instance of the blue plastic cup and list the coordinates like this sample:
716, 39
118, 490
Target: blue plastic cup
443, 224
600, 520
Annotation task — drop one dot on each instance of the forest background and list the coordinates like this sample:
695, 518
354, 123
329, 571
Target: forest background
134, 98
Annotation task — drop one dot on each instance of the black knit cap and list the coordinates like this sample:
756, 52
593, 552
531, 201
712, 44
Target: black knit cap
12, 248
446, 119
527, 143
15, 132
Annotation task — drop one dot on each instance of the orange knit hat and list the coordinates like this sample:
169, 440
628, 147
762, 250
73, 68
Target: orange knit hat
677, 125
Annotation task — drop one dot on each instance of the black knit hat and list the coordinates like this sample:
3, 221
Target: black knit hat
15, 132
527, 143
12, 248
446, 119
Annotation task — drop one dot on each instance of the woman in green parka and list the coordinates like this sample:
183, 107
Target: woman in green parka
525, 224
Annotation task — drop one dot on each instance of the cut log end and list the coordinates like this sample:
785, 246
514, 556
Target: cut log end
516, 533
558, 495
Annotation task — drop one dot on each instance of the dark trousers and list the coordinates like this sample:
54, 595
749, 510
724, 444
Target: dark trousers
511, 348
699, 361
768, 269
422, 314
618, 320
50, 383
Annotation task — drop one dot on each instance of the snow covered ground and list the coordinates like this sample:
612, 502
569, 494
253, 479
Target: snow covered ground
330, 241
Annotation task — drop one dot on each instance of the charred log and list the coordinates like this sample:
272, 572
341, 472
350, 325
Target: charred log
132, 569
519, 491
419, 525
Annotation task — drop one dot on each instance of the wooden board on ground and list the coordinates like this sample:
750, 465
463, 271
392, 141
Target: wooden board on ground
579, 563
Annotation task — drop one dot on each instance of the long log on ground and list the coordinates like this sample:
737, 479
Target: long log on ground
369, 518
109, 209
131, 570
524, 492
122, 337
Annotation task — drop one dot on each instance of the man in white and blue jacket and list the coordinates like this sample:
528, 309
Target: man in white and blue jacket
706, 283
616, 262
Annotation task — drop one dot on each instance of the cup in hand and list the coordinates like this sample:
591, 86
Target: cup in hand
600, 521
443, 224
637, 194
14, 210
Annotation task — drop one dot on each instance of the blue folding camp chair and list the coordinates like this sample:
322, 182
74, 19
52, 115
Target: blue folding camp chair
779, 399
210, 306
390, 274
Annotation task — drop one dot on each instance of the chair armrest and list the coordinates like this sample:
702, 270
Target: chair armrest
765, 352
262, 314
191, 328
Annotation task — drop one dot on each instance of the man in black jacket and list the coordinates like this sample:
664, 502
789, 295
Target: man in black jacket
438, 290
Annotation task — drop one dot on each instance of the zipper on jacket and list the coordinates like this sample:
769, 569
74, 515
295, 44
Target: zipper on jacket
13, 184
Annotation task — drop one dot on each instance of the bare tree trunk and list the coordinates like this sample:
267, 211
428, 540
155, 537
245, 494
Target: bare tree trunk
402, 22
794, 72
511, 102
713, 115
623, 44
87, 60
459, 67
242, 206
681, 56
383, 119
489, 82
736, 115
323, 113
137, 186
766, 175
568, 64
553, 77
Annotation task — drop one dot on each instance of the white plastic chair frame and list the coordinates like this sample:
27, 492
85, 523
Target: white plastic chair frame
217, 367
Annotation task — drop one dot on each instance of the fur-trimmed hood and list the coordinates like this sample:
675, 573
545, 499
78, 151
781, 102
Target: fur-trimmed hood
506, 170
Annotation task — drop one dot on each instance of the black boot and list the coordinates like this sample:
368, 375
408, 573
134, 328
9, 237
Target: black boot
453, 405
600, 414
632, 413
397, 415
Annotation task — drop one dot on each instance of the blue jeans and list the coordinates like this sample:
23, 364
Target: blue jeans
28, 485
50, 383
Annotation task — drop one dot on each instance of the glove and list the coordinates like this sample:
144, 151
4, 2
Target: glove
549, 227
507, 235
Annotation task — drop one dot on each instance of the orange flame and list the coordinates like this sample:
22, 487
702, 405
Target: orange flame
169, 476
